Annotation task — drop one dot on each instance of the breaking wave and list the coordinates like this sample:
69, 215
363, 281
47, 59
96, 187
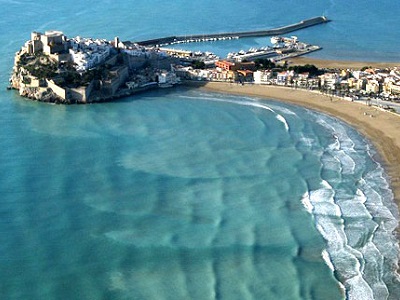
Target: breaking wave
357, 223
250, 103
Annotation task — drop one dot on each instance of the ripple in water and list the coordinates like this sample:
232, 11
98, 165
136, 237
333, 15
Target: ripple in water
196, 196
339, 206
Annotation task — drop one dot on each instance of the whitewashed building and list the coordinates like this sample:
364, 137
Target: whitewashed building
262, 77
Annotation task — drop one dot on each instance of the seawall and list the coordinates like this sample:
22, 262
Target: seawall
256, 33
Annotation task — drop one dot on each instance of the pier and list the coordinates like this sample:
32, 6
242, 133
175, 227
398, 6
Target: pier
229, 35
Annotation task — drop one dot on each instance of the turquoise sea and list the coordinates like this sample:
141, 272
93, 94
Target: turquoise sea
183, 194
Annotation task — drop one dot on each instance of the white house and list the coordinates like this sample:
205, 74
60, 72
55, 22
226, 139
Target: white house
262, 77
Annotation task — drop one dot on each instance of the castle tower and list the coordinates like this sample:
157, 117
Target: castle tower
116, 42
37, 44
35, 36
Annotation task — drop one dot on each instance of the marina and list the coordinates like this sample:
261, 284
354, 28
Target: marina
282, 48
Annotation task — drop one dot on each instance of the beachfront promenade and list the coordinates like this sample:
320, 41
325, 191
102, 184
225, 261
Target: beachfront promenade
228, 35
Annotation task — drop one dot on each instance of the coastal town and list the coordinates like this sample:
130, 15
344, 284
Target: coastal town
53, 68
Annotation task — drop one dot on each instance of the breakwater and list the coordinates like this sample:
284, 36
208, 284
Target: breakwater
226, 35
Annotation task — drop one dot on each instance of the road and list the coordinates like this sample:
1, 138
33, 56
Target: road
383, 103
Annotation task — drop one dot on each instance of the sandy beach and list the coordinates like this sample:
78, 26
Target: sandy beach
382, 128
339, 64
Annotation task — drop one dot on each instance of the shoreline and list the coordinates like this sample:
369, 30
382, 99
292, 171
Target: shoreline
380, 127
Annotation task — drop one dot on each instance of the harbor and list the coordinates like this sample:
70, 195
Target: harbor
281, 48
164, 41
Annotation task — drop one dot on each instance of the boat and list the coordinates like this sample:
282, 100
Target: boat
276, 40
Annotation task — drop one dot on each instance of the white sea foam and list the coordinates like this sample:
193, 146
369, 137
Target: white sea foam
336, 144
340, 134
305, 200
342, 149
359, 238
358, 289
360, 196
327, 259
332, 233
326, 185
331, 162
347, 163
308, 142
283, 120
283, 110
354, 209
279, 117
374, 264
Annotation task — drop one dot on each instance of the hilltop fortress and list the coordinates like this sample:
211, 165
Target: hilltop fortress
52, 68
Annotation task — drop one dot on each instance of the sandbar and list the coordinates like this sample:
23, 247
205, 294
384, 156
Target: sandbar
381, 128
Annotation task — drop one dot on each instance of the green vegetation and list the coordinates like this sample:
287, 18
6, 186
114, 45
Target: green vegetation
38, 65
263, 64
196, 64
72, 78
41, 71
313, 70
99, 73
43, 67
26, 80
365, 68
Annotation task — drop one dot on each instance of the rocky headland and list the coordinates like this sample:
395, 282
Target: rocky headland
52, 68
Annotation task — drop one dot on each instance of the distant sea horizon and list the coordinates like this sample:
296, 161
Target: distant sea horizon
181, 194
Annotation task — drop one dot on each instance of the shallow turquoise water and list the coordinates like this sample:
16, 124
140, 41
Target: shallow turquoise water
185, 195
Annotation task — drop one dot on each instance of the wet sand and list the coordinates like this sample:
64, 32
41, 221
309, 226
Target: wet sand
382, 128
